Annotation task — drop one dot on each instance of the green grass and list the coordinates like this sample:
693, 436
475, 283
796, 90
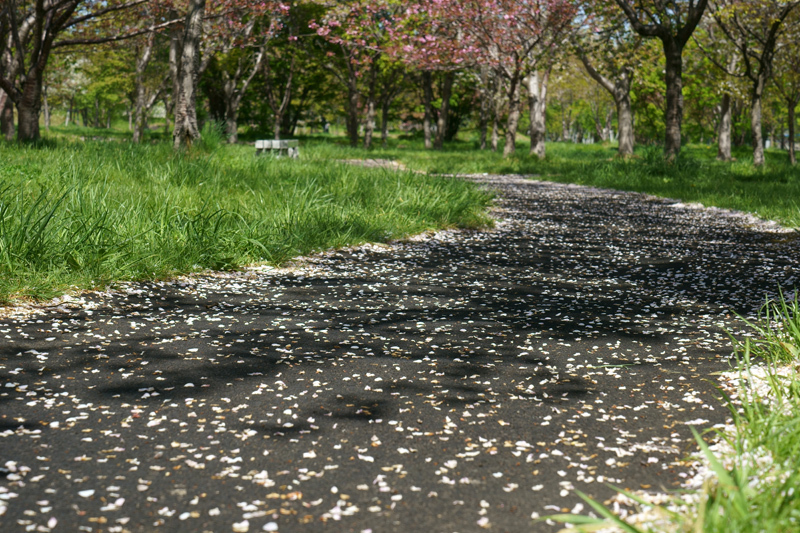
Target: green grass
85, 214
772, 192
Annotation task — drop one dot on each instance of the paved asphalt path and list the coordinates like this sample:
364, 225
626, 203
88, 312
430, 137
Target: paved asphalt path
461, 382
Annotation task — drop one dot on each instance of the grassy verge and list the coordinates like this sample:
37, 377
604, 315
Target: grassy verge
772, 192
752, 474
86, 214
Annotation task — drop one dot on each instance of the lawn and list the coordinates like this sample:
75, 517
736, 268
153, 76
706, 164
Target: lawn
86, 214
772, 192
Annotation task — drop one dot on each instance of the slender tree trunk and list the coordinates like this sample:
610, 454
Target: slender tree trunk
427, 103
674, 113
139, 89
232, 120
45, 108
186, 128
444, 112
96, 121
783, 137
537, 101
486, 103
369, 123
792, 105
352, 112
627, 139
386, 105
513, 116
758, 137
234, 94
725, 129
6, 117
174, 68
598, 123
70, 110
167, 125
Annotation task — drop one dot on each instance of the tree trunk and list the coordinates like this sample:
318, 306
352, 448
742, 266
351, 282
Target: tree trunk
369, 123
6, 117
485, 92
352, 112
139, 89
28, 108
758, 138
427, 103
792, 105
45, 108
232, 120
70, 110
537, 101
513, 116
385, 107
674, 113
783, 137
96, 122
627, 139
174, 68
444, 111
725, 129
186, 129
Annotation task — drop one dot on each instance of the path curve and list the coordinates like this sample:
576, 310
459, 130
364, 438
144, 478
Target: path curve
463, 381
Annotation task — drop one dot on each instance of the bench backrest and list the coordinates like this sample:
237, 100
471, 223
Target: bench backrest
277, 145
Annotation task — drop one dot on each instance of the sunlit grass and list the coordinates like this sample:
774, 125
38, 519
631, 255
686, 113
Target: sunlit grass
89, 213
772, 192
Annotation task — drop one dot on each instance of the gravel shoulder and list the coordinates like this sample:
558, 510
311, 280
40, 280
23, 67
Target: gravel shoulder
452, 383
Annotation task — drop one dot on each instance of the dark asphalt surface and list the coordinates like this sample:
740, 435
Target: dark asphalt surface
457, 383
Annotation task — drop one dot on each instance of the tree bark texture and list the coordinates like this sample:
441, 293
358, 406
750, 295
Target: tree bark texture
29, 107
369, 123
46, 108
627, 138
725, 129
537, 102
352, 112
7, 129
486, 103
674, 112
756, 131
756, 96
186, 128
427, 103
513, 116
139, 89
444, 111
385, 106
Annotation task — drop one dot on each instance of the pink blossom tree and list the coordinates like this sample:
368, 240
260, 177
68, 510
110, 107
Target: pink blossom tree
357, 33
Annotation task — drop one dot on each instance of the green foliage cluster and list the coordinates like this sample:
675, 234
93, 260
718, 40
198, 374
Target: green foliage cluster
87, 214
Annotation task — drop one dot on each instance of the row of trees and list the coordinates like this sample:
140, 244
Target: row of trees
443, 60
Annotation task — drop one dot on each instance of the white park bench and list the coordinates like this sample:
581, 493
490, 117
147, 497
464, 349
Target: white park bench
290, 147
